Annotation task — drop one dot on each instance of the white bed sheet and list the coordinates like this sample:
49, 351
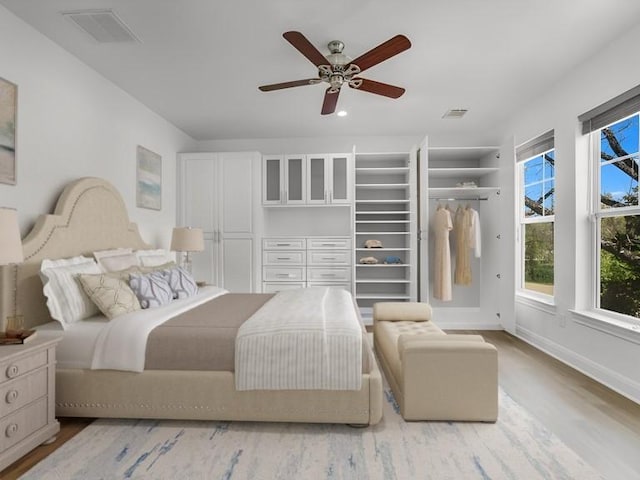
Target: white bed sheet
77, 343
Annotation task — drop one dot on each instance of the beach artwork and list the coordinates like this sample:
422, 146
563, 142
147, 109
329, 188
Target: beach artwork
8, 109
148, 179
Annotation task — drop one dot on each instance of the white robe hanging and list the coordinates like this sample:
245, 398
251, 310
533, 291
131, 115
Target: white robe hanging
475, 235
442, 289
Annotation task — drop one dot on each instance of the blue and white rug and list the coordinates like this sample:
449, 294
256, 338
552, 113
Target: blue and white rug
517, 447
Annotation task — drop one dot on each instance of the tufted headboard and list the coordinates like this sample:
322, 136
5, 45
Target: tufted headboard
90, 215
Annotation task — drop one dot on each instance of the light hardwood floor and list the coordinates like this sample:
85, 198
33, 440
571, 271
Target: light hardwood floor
597, 423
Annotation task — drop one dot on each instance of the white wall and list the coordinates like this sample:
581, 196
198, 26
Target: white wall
606, 357
72, 122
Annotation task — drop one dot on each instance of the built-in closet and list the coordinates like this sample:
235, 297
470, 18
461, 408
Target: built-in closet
385, 241
457, 179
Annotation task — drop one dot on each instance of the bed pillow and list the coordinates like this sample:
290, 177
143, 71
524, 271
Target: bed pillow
110, 293
116, 263
151, 289
66, 300
181, 282
158, 268
153, 258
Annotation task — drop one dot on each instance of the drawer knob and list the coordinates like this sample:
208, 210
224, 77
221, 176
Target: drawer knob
11, 396
13, 370
11, 430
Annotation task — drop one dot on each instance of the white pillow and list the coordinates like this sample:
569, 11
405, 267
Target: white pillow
66, 300
153, 258
116, 259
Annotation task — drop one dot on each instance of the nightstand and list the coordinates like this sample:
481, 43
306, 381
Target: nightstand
27, 398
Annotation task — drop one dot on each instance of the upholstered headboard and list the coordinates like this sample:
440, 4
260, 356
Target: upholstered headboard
90, 215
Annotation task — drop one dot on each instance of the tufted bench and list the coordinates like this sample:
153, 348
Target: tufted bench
434, 376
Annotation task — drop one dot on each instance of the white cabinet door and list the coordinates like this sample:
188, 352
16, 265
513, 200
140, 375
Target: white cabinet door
295, 184
204, 263
237, 265
340, 179
199, 189
272, 180
317, 179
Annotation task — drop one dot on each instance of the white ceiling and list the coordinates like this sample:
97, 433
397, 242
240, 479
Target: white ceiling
200, 62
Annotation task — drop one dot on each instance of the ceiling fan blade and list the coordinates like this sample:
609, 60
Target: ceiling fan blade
330, 102
378, 88
382, 52
295, 83
305, 47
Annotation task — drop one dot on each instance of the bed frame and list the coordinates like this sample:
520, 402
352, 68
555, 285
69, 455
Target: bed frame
90, 215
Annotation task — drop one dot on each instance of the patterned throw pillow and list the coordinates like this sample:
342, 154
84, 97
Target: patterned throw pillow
182, 284
152, 289
110, 293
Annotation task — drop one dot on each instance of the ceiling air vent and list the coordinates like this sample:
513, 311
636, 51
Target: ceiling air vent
104, 26
455, 113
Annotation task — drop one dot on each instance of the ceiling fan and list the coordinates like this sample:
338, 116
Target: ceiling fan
337, 69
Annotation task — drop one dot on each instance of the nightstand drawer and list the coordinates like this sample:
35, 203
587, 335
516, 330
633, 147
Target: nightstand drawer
329, 274
23, 423
284, 258
284, 244
279, 274
24, 390
328, 257
12, 369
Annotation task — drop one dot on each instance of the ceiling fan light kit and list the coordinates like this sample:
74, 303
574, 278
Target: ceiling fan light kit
337, 69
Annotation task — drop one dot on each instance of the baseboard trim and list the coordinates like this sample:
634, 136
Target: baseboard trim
613, 380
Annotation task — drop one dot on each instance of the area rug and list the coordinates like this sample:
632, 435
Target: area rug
517, 447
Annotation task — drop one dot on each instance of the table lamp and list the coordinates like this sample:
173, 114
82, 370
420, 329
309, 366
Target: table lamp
187, 240
10, 253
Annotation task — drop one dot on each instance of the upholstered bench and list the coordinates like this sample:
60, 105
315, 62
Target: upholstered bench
434, 376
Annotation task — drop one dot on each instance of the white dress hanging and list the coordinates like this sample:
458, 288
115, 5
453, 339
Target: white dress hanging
442, 224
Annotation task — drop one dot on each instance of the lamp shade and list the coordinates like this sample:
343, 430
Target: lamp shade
10, 243
187, 239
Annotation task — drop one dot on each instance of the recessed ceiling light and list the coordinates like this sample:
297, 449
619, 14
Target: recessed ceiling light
342, 113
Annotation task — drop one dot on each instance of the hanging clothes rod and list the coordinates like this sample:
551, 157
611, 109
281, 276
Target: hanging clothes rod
454, 199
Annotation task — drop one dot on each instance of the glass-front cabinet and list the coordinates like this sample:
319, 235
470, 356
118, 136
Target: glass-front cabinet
306, 179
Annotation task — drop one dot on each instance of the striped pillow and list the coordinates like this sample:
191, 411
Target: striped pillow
182, 284
66, 300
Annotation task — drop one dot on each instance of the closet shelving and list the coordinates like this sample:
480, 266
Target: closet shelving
384, 211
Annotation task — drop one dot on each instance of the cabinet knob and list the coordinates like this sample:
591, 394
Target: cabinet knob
11, 396
11, 430
12, 370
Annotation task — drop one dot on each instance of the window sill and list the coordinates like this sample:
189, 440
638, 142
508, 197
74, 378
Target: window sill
603, 323
539, 302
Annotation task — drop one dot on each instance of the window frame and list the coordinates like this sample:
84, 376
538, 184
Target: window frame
523, 220
598, 213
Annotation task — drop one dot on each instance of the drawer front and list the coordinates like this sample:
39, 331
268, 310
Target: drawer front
11, 370
329, 243
284, 244
22, 391
343, 286
22, 423
328, 257
283, 274
273, 287
284, 258
342, 274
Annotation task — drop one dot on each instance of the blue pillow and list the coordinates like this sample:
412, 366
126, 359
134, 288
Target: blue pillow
181, 282
152, 289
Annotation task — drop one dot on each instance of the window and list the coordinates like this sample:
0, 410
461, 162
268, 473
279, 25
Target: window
617, 213
536, 191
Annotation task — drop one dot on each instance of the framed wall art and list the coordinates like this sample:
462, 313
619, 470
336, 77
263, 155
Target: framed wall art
8, 111
148, 179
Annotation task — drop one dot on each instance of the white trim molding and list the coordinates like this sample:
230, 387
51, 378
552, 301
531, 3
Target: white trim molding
626, 331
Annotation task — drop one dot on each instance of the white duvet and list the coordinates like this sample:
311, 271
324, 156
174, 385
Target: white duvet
303, 339
122, 343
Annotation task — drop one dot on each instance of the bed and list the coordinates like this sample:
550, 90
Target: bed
90, 216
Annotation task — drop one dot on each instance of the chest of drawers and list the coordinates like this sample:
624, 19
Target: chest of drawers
295, 262
27, 398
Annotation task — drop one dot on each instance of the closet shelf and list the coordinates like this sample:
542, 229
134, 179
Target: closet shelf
383, 221
381, 186
460, 193
382, 296
382, 265
382, 212
382, 170
383, 233
381, 280
384, 201
461, 172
